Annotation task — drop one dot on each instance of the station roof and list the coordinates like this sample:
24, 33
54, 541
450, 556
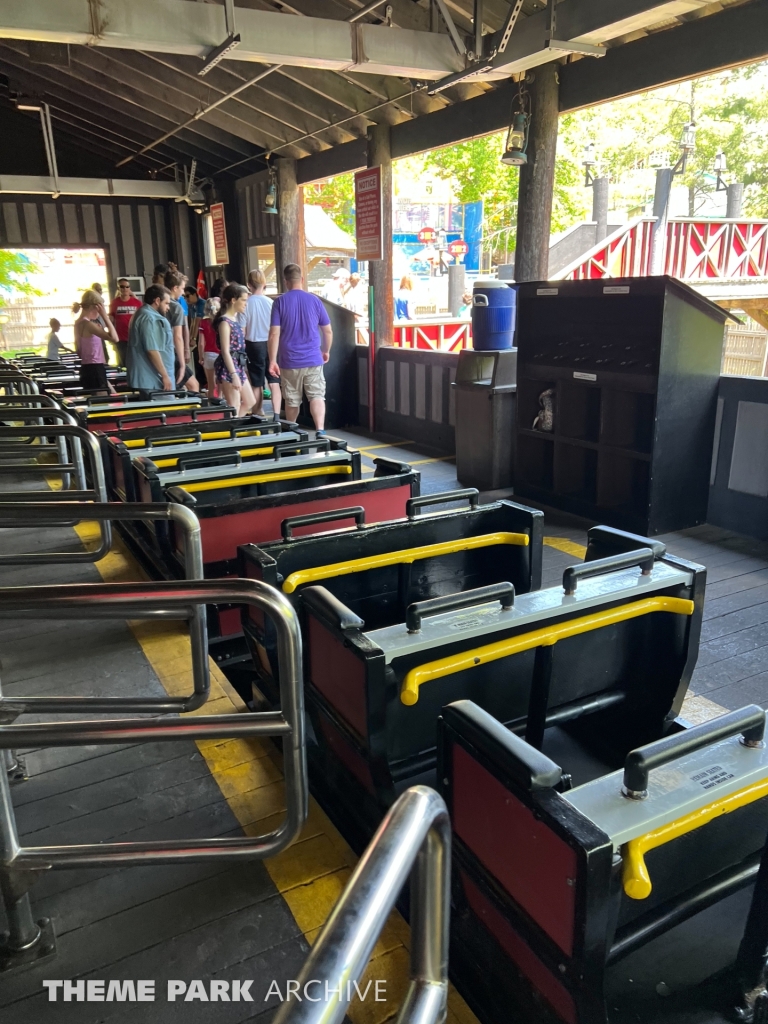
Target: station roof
123, 79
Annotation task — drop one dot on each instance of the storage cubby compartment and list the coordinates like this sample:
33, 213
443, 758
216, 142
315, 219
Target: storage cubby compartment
624, 482
628, 420
528, 407
578, 411
576, 471
535, 461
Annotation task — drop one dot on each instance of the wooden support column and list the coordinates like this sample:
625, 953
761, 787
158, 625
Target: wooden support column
380, 271
291, 246
537, 179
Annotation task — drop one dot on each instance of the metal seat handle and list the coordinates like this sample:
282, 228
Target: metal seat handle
356, 512
504, 592
749, 721
642, 557
413, 505
322, 444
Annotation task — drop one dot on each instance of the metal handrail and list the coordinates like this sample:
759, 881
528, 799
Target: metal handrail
97, 493
34, 514
20, 865
20, 445
415, 838
19, 382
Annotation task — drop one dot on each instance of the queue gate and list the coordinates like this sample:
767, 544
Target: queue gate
29, 941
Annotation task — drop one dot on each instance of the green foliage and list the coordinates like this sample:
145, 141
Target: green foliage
14, 268
337, 198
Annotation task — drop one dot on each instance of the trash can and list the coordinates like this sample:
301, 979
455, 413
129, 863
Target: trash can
486, 398
493, 315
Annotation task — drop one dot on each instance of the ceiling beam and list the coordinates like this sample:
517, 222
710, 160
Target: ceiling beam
116, 188
594, 22
187, 27
736, 35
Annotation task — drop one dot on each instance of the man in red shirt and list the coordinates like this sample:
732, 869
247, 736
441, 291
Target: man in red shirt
121, 312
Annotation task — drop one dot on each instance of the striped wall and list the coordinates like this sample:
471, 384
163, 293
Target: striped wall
414, 397
136, 234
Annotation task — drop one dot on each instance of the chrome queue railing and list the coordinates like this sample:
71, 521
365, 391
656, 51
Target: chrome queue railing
28, 940
414, 839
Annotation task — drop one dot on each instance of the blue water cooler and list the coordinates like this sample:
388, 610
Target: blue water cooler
494, 305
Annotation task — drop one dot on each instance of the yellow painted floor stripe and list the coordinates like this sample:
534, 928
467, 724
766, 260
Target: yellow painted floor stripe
568, 546
311, 874
373, 447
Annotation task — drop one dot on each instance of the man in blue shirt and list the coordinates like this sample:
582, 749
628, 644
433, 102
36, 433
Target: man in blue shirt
150, 344
299, 344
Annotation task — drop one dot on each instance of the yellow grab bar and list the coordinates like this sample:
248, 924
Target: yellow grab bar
404, 556
545, 637
265, 478
637, 881
141, 442
139, 410
162, 463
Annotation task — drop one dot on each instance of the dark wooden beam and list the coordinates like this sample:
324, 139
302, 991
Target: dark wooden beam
290, 240
734, 36
537, 179
737, 35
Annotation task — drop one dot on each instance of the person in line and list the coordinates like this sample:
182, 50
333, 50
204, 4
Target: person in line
121, 312
55, 345
93, 327
404, 305
194, 302
300, 339
96, 287
208, 345
465, 310
258, 313
336, 288
218, 287
184, 377
230, 366
150, 343
356, 296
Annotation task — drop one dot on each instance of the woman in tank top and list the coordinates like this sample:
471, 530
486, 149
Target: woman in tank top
93, 327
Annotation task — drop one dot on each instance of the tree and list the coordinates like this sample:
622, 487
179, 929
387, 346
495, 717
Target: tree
337, 198
14, 268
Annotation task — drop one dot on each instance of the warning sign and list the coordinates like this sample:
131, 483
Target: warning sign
368, 215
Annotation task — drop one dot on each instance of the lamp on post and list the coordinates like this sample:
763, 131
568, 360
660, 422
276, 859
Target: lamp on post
270, 199
588, 163
687, 145
719, 167
514, 154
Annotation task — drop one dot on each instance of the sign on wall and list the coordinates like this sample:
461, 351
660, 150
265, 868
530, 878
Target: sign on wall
220, 248
427, 236
368, 214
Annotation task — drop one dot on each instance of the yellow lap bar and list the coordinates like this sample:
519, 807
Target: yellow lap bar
637, 881
163, 463
141, 442
265, 478
403, 557
139, 411
545, 637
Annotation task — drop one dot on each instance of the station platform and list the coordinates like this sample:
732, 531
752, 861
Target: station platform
255, 921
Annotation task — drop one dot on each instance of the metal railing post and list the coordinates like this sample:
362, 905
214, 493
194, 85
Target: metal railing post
416, 833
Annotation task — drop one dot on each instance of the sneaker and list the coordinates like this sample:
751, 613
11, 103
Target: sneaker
320, 434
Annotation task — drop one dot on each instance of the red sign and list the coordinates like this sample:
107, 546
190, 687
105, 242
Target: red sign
427, 235
368, 215
220, 248
458, 248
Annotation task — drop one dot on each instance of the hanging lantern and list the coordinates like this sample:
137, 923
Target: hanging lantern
517, 141
270, 199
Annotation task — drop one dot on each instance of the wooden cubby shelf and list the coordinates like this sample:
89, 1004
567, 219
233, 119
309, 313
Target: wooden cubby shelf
633, 366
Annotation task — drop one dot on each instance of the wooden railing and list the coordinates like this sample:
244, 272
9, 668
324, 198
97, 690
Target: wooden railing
696, 250
429, 335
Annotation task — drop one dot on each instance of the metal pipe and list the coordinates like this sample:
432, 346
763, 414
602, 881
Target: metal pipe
146, 730
132, 599
415, 834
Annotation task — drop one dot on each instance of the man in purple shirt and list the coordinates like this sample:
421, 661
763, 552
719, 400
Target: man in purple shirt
299, 343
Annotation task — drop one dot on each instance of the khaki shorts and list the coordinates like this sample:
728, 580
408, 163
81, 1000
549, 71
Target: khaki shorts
309, 381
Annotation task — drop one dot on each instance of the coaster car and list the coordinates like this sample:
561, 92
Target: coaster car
584, 904
377, 570
616, 643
